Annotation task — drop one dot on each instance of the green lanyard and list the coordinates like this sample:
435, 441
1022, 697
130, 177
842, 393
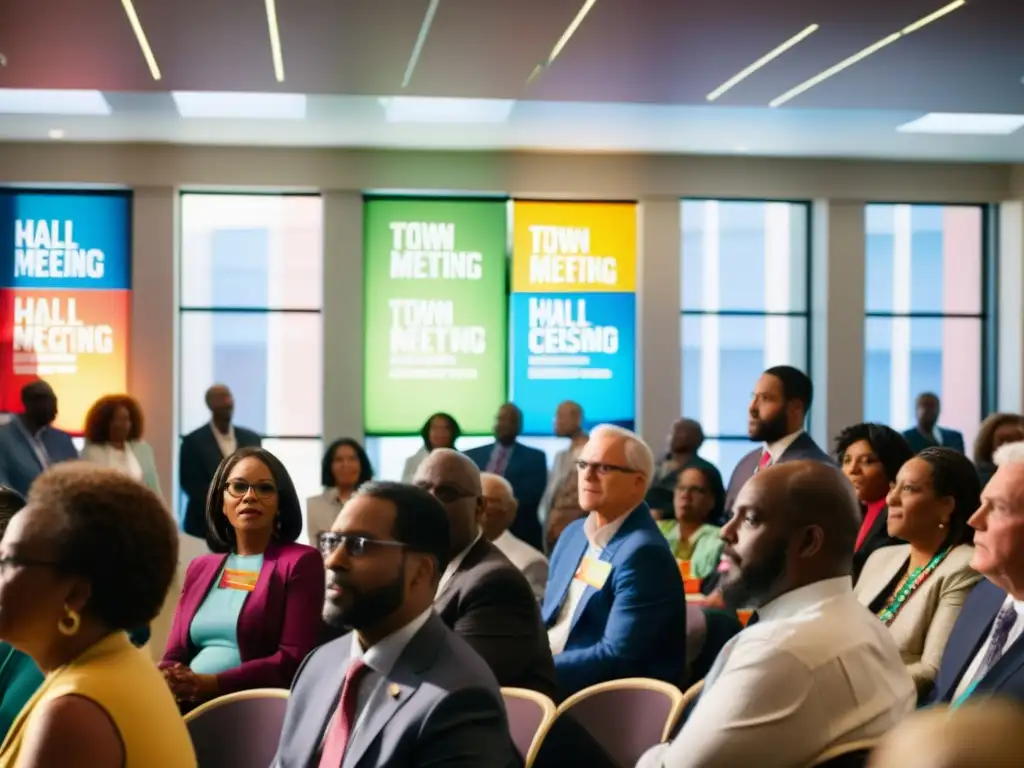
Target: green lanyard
912, 582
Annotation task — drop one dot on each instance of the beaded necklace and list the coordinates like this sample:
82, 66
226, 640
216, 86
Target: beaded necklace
916, 578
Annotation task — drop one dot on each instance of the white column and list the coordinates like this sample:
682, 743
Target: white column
837, 317
1010, 297
899, 382
152, 362
343, 315
659, 346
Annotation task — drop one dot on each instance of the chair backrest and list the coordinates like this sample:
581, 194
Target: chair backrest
852, 755
626, 717
530, 715
239, 730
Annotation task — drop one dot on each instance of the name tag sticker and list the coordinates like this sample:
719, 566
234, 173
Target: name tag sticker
593, 571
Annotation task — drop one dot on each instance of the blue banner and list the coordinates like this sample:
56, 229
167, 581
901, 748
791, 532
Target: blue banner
573, 346
65, 240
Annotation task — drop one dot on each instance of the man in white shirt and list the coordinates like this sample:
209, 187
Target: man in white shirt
499, 512
984, 654
816, 670
401, 689
559, 505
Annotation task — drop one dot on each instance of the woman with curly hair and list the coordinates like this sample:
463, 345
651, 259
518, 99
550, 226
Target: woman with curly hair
113, 438
871, 456
996, 430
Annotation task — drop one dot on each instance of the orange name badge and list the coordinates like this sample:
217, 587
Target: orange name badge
593, 571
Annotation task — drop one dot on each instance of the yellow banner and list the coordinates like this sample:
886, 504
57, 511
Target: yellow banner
574, 247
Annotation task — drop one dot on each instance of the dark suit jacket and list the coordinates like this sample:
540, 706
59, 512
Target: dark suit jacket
527, 471
877, 538
969, 633
490, 604
950, 439
803, 447
635, 625
448, 711
19, 465
198, 461
278, 625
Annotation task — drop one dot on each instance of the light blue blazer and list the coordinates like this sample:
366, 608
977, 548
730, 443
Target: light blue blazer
19, 464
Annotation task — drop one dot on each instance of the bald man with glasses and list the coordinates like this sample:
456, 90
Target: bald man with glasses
481, 595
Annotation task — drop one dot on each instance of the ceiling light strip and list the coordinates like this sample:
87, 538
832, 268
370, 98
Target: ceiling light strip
420, 40
773, 54
863, 54
275, 40
140, 36
563, 40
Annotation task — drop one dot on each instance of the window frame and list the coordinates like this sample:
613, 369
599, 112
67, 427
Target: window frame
804, 314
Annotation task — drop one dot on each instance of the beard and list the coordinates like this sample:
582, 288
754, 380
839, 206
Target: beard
364, 608
770, 430
756, 581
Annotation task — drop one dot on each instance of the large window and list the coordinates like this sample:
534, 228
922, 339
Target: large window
744, 309
925, 313
250, 318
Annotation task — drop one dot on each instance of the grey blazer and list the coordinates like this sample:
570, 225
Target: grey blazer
803, 447
921, 628
448, 710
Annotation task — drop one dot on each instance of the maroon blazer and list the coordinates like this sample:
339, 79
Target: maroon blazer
279, 624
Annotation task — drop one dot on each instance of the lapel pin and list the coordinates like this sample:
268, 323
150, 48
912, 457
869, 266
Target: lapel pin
394, 691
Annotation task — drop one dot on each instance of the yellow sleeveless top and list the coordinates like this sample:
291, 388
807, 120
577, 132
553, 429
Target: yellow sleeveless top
125, 682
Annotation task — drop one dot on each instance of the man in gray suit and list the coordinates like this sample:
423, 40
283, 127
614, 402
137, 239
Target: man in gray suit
401, 689
782, 398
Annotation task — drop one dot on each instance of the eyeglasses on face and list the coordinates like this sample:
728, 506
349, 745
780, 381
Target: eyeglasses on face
601, 468
330, 542
238, 489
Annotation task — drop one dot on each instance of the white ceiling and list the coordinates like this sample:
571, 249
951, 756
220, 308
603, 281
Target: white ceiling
360, 121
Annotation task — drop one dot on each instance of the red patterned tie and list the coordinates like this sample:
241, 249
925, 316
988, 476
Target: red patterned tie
340, 727
766, 459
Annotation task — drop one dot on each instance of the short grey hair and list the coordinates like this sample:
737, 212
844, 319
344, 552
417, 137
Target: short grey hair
1009, 453
639, 456
505, 484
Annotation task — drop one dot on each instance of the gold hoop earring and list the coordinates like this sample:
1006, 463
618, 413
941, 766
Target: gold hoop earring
69, 622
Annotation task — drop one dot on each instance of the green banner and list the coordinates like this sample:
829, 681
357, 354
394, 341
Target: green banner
436, 312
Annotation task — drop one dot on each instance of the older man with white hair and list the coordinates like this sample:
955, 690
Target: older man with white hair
614, 605
500, 507
985, 653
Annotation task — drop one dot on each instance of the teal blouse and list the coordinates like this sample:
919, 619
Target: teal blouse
19, 679
703, 549
214, 629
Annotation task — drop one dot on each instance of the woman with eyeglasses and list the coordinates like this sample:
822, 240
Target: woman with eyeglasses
90, 557
250, 612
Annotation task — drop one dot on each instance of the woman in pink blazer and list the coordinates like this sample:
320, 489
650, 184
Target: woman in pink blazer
250, 613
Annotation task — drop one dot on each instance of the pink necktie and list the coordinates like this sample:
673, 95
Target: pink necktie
340, 727
766, 459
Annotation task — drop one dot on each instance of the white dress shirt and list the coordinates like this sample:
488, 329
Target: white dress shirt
381, 659
530, 561
228, 443
598, 538
1015, 632
453, 566
816, 671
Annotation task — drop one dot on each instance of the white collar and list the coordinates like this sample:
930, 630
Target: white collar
599, 538
454, 563
776, 449
383, 655
220, 435
798, 600
504, 539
